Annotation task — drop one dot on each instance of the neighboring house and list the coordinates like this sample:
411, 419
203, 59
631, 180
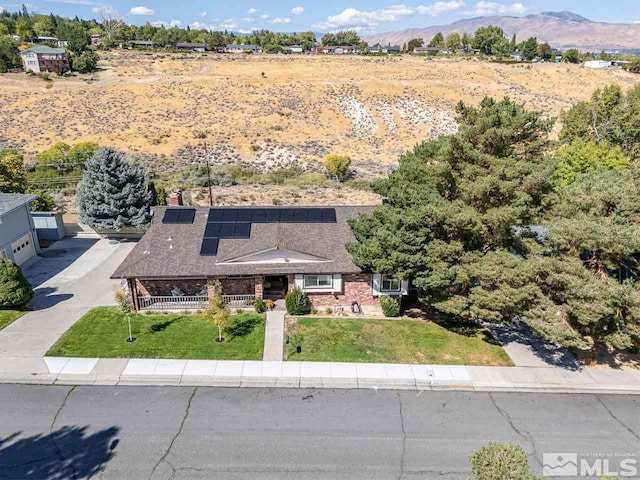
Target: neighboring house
335, 50
244, 48
131, 44
52, 40
296, 49
96, 40
597, 64
517, 56
385, 49
18, 237
255, 252
191, 47
45, 59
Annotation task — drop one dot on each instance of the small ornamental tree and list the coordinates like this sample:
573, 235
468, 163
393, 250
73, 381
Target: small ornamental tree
338, 166
126, 309
218, 311
15, 290
113, 193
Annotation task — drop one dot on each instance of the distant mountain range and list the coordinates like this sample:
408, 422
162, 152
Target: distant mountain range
560, 29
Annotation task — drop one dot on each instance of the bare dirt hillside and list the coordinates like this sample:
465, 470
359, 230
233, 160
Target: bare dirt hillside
274, 111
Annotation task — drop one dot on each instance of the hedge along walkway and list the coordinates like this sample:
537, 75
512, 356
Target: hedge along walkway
393, 341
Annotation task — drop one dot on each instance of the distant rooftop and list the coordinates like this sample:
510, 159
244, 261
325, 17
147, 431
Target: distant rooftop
10, 201
45, 50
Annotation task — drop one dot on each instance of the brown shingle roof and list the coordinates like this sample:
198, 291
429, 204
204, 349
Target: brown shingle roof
168, 250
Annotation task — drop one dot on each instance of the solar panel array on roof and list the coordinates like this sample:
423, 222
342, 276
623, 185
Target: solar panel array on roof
272, 215
236, 222
179, 216
209, 247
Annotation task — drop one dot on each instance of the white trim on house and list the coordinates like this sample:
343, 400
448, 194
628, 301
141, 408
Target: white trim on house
274, 255
335, 285
377, 286
3, 253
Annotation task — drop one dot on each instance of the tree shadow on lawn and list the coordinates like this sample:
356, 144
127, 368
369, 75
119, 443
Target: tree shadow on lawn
242, 326
162, 326
66, 453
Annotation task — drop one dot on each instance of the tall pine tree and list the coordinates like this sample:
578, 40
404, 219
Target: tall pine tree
113, 193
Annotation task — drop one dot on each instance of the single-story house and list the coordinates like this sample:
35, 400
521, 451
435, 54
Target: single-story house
254, 252
18, 237
296, 49
43, 58
244, 48
191, 47
131, 44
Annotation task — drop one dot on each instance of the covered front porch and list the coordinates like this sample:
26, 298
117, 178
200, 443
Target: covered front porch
192, 294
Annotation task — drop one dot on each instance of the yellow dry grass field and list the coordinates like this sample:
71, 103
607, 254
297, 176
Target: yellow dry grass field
274, 110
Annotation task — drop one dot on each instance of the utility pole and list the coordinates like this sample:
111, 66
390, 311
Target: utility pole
206, 156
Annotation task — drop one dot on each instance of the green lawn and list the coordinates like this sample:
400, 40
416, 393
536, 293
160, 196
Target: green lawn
393, 341
102, 333
9, 316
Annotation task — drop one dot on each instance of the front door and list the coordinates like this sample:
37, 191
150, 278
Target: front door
275, 287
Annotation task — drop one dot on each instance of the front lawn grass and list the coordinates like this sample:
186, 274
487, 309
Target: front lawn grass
9, 316
103, 332
392, 341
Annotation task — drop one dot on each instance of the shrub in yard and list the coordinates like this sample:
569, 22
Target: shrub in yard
260, 306
500, 461
297, 302
15, 291
390, 306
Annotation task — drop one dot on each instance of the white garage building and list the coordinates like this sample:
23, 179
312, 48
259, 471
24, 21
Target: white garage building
18, 237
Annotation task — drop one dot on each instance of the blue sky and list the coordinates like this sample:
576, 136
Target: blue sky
367, 16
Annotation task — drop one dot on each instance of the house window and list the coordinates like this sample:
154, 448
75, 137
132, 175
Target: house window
390, 284
318, 281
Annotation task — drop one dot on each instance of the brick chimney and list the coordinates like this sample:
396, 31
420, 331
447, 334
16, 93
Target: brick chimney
175, 198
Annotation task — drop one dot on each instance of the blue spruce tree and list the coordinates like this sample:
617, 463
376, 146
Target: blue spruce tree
113, 193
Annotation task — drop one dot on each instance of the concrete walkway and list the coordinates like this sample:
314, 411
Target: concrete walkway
71, 277
77, 371
274, 336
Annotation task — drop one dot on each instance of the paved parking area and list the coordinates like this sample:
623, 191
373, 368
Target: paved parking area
71, 277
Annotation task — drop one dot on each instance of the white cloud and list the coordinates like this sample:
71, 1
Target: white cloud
141, 11
492, 8
162, 23
280, 20
203, 14
297, 10
106, 11
247, 32
357, 19
439, 8
217, 25
264, 16
252, 11
1, 9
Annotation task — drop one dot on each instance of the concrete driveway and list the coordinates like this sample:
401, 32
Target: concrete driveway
70, 277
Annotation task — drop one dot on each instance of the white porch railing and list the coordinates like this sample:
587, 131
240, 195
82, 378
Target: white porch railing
192, 302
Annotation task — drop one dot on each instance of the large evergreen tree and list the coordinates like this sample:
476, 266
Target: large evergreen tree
113, 193
454, 200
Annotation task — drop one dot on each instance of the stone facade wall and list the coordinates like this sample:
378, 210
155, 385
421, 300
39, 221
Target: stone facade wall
161, 288
355, 288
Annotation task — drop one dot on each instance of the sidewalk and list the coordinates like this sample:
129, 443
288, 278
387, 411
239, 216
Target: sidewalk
215, 373
274, 336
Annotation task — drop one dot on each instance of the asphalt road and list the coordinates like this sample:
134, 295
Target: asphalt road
217, 433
